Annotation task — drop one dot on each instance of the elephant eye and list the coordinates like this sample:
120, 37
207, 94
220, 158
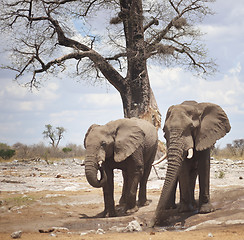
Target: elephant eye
103, 143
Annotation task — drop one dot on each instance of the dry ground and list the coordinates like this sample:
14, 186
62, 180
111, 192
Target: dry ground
36, 196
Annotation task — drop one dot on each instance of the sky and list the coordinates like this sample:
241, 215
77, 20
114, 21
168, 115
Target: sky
76, 105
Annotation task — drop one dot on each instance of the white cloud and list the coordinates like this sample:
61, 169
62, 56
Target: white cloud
14, 90
237, 69
18, 98
30, 106
175, 83
26, 106
168, 77
49, 92
222, 33
63, 117
101, 100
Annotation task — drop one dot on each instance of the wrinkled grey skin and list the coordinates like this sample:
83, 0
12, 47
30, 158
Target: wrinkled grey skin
197, 126
126, 144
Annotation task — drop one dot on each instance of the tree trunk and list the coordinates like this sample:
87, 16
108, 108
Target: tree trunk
137, 96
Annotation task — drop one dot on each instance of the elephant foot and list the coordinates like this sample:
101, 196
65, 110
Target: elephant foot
122, 201
185, 208
132, 210
171, 206
206, 208
106, 213
112, 213
121, 210
101, 214
144, 203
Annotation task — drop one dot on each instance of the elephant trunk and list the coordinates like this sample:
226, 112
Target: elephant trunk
91, 171
175, 158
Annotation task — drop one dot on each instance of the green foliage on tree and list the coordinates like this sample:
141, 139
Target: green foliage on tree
66, 149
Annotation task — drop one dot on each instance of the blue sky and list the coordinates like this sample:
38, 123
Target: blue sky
76, 105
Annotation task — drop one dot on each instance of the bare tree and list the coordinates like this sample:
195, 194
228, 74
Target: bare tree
55, 135
238, 145
47, 34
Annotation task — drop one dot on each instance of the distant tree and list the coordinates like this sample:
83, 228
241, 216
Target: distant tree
77, 150
55, 135
231, 149
4, 146
22, 150
238, 144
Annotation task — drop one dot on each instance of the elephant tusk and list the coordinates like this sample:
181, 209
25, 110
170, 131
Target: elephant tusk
190, 153
161, 159
100, 164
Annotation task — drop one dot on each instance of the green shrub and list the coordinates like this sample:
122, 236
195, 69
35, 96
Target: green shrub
7, 154
66, 149
220, 174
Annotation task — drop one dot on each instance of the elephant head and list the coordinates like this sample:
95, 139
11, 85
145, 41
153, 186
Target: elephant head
116, 139
188, 126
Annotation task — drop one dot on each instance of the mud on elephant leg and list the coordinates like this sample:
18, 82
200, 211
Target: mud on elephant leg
108, 194
134, 177
171, 202
142, 197
187, 179
142, 201
204, 175
122, 200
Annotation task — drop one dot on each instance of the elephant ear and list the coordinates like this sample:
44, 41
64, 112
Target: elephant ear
214, 124
129, 137
88, 131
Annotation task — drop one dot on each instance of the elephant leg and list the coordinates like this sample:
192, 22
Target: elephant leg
133, 182
135, 172
142, 201
193, 177
185, 187
171, 202
108, 194
204, 177
122, 200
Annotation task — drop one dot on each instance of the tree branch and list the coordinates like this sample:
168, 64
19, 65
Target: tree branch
154, 21
175, 7
76, 55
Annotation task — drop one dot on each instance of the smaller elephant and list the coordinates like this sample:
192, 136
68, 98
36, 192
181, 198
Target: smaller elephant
126, 144
191, 129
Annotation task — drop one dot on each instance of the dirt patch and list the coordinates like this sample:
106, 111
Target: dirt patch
36, 196
224, 233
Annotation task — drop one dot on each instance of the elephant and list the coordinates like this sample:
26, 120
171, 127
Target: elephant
191, 129
126, 144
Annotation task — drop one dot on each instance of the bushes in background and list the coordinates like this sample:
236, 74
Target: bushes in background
23, 152
6, 152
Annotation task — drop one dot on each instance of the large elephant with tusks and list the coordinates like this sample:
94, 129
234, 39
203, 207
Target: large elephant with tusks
191, 129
